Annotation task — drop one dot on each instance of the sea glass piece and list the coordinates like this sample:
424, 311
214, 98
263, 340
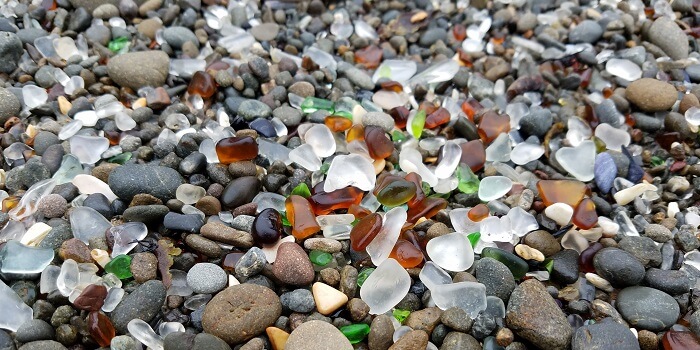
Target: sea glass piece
396, 193
321, 139
623, 68
27, 206
68, 278
411, 160
34, 96
88, 184
87, 223
399, 71
49, 276
19, 260
495, 229
499, 150
493, 124
426, 208
468, 296
381, 246
88, 149
407, 254
126, 237
585, 215
385, 287
473, 154
494, 187
365, 231
120, 266
350, 170
526, 152
145, 334
452, 252
234, 149
436, 73
324, 203
614, 138
378, 144
561, 191
70, 168
100, 328
114, 297
461, 222
451, 155
561, 213
301, 217
16, 312
355, 332
305, 157
579, 161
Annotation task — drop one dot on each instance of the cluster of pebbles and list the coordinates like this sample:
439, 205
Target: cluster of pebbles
306, 175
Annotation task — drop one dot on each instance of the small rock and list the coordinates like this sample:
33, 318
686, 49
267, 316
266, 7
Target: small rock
143, 303
618, 267
9, 105
425, 320
317, 335
666, 34
178, 36
265, 31
126, 181
379, 119
381, 332
207, 278
293, 266
10, 51
647, 308
138, 69
496, 276
144, 267
651, 95
604, 335
298, 300
585, 32
413, 340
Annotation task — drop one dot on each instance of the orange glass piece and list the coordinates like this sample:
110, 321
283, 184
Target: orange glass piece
459, 32
400, 115
358, 210
676, 340
391, 86
356, 132
473, 154
234, 149
364, 231
10, 203
426, 208
406, 254
428, 107
585, 215
378, 143
420, 195
337, 123
470, 107
301, 216
370, 56
324, 203
202, 84
439, 117
478, 213
113, 137
493, 124
100, 328
561, 191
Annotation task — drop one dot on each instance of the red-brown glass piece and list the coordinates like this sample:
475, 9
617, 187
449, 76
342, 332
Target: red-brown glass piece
324, 203
585, 215
478, 213
492, 125
585, 260
676, 340
420, 195
561, 191
400, 116
91, 298
301, 216
100, 328
202, 84
392, 86
364, 231
230, 260
406, 254
378, 143
427, 208
473, 154
234, 149
440, 117
358, 211
370, 56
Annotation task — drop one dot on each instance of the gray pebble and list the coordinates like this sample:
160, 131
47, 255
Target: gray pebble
207, 278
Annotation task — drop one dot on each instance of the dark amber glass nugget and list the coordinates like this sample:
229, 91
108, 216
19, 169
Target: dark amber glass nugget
378, 143
364, 231
426, 208
397, 193
267, 226
406, 254
91, 298
561, 191
324, 203
100, 328
585, 215
492, 125
234, 149
478, 213
301, 217
439, 117
337, 123
473, 154
202, 84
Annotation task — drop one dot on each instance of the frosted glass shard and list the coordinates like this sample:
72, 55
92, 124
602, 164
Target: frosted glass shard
145, 334
68, 278
614, 138
166, 328
305, 157
494, 187
574, 240
385, 287
70, 129
461, 222
19, 260
397, 70
578, 131
432, 275
114, 297
88, 184
521, 222
266, 200
34, 96
495, 307
411, 160
350, 170
321, 139
14, 154
437, 73
28, 204
208, 149
189, 194
179, 285
87, 223
561, 213
468, 296
579, 161
364, 30
65, 47
73, 84
88, 149
273, 151
452, 252
499, 150
49, 276
186, 67
495, 229
237, 43
381, 246
692, 116
16, 312
623, 68
321, 58
451, 154
127, 236
124, 122
70, 168
526, 152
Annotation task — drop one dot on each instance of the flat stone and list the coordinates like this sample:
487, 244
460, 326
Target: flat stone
138, 69
534, 315
647, 308
143, 303
619, 267
43, 345
666, 34
317, 335
188, 341
651, 95
224, 234
127, 181
241, 312
265, 31
604, 335
413, 340
207, 278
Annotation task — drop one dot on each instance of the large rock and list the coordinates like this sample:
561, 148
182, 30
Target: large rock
604, 335
651, 95
496, 277
647, 308
317, 335
241, 312
127, 181
138, 69
10, 51
619, 267
143, 303
666, 34
9, 105
534, 315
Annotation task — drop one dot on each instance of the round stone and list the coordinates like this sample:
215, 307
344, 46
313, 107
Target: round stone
317, 335
207, 278
651, 95
619, 267
647, 308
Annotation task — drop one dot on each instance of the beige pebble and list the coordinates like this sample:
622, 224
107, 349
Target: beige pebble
327, 298
278, 337
528, 253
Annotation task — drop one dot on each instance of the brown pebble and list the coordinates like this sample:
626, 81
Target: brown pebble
245, 209
145, 199
103, 170
358, 309
203, 246
144, 267
413, 340
464, 277
293, 266
504, 337
436, 230
647, 340
688, 100
221, 233
76, 250
242, 168
348, 281
208, 205
425, 319
330, 277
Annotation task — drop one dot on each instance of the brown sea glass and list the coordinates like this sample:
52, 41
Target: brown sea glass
585, 260
406, 254
420, 195
234, 149
397, 193
585, 215
440, 117
400, 116
202, 84
493, 124
337, 123
91, 298
100, 328
370, 56
230, 260
364, 231
426, 208
478, 213
473, 154
561, 191
378, 143
677, 340
324, 203
301, 216
356, 132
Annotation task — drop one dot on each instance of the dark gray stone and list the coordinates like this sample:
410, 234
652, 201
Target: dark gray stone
127, 181
647, 308
143, 303
606, 334
619, 267
10, 51
496, 276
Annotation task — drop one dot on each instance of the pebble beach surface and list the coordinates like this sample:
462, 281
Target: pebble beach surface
361, 174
